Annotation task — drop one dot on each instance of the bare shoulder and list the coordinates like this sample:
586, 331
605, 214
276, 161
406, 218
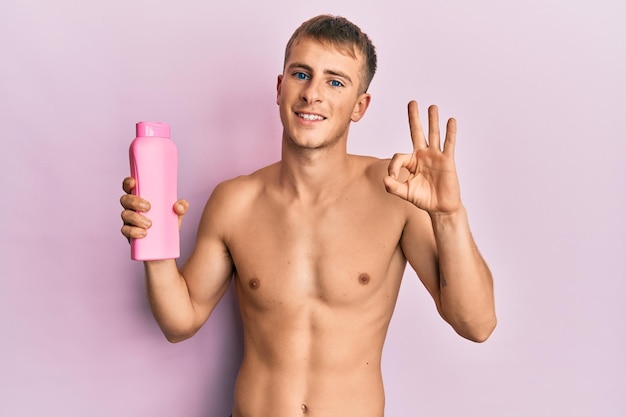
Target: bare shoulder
239, 189
374, 170
232, 198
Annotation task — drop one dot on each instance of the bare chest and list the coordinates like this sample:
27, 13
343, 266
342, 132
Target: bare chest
339, 254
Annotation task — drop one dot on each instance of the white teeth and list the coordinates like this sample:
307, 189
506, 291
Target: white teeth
306, 116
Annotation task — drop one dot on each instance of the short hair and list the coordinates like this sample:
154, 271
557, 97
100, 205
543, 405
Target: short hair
340, 32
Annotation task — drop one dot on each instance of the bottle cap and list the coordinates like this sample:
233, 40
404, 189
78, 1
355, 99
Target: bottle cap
159, 129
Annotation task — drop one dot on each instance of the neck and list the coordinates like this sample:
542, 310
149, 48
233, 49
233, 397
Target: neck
313, 174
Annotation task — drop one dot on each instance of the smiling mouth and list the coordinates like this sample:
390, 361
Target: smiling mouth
308, 116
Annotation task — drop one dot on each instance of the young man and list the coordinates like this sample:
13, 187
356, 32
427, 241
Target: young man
317, 243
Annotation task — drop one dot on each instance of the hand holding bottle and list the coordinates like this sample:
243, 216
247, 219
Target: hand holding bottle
136, 224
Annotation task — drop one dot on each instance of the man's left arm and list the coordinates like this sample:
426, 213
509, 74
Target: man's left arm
448, 263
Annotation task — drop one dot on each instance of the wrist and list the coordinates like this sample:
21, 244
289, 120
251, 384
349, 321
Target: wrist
456, 212
159, 265
449, 219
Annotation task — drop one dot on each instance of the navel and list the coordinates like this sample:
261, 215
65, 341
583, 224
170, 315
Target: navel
254, 283
304, 408
364, 279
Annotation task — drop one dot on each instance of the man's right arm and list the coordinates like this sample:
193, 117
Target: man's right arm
182, 300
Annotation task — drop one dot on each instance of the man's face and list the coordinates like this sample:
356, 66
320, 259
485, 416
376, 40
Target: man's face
319, 94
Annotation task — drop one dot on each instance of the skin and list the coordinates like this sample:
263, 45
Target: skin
317, 245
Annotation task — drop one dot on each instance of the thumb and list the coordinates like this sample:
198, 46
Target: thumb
180, 208
395, 187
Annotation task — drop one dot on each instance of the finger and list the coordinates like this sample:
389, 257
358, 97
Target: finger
399, 161
450, 143
132, 202
181, 207
135, 225
134, 219
395, 187
131, 232
433, 127
128, 184
417, 133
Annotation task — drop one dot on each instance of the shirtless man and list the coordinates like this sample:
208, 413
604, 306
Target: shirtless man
317, 243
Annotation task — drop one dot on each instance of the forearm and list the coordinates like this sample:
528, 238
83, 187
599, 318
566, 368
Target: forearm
169, 299
466, 286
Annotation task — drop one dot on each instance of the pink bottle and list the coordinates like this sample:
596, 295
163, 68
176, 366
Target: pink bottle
154, 165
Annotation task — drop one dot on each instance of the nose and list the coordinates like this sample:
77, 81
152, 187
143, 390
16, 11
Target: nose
311, 92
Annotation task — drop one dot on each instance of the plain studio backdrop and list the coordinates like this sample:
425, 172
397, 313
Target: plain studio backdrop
538, 89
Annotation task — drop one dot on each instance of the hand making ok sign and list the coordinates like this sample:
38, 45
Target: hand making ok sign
432, 183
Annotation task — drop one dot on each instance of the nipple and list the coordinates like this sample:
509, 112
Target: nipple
364, 279
254, 283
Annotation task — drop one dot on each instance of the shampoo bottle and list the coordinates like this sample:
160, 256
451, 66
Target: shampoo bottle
154, 166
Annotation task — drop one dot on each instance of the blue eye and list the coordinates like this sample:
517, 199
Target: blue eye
336, 83
301, 76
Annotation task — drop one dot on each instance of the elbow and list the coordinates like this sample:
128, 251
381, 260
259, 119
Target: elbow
175, 338
178, 335
475, 329
481, 336
477, 332
474, 324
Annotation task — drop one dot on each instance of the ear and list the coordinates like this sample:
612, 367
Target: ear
278, 85
360, 107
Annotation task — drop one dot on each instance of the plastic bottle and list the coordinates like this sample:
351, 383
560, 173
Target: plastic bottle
154, 165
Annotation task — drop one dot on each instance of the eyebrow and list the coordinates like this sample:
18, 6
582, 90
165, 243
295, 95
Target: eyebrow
326, 71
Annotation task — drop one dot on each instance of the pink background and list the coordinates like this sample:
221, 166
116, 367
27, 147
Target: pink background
538, 88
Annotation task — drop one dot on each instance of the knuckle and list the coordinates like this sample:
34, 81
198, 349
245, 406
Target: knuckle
399, 157
127, 216
124, 201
